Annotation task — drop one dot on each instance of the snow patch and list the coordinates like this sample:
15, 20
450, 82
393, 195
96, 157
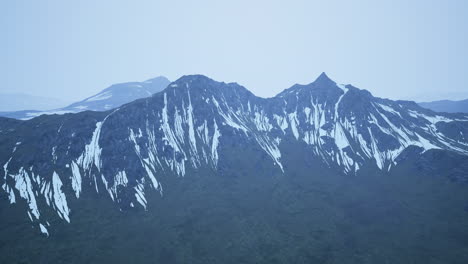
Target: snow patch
100, 97
60, 200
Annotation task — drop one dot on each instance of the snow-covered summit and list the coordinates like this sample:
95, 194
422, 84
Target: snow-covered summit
109, 98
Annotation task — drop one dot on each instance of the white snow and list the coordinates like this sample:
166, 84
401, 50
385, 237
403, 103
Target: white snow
425, 144
54, 156
345, 90
81, 107
281, 121
121, 179
341, 140
76, 179
92, 153
11, 194
375, 151
215, 143
262, 122
171, 139
140, 195
179, 130
43, 229
100, 97
30, 217
293, 121
45, 190
432, 119
271, 149
193, 142
389, 109
5, 168
60, 200
150, 174
342, 87
229, 117
24, 186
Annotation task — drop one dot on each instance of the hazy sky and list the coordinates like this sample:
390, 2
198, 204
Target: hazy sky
396, 49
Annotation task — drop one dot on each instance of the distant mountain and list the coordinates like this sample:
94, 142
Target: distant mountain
19, 101
109, 98
207, 172
447, 106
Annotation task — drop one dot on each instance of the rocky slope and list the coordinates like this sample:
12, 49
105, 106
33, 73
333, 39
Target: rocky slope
127, 153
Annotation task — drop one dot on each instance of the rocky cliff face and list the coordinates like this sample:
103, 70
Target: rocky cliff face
123, 153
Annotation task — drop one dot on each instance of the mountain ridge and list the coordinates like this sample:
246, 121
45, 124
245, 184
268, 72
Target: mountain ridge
448, 106
109, 98
127, 152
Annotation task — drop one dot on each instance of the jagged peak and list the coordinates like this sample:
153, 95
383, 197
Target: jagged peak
323, 78
322, 82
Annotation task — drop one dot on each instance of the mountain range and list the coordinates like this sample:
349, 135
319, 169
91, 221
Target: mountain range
109, 98
162, 174
18, 101
447, 106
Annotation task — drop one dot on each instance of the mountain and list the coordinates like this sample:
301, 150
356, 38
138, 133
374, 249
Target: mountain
447, 106
205, 171
18, 102
109, 98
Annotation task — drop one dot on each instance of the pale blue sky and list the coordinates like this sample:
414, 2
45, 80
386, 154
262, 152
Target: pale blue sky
397, 49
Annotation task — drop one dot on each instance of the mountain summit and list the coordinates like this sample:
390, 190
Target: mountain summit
323, 79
